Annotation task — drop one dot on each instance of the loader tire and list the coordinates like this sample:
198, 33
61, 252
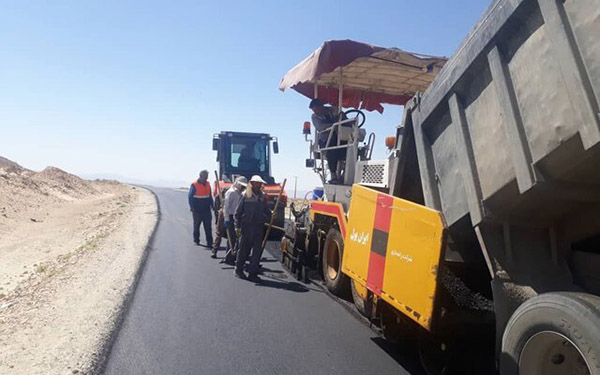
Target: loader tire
553, 334
333, 252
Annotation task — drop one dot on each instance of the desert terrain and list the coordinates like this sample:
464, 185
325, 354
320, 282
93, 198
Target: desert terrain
70, 251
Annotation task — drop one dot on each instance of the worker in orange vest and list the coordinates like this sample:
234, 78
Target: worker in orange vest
201, 205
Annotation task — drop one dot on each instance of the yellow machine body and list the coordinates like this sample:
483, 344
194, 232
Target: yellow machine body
393, 247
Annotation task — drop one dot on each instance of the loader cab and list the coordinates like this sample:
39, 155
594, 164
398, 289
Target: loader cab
244, 154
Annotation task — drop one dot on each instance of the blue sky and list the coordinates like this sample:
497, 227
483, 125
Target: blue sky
138, 88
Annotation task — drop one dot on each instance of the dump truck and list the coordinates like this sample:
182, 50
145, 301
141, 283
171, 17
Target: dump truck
248, 154
486, 214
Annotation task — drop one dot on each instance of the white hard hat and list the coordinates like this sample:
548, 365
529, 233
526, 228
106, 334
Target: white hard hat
257, 178
241, 181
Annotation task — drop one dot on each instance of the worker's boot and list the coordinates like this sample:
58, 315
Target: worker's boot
334, 178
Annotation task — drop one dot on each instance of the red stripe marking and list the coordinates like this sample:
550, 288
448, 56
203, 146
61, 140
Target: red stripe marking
383, 212
382, 220
375, 274
331, 210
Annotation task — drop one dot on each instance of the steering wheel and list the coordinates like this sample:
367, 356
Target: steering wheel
358, 112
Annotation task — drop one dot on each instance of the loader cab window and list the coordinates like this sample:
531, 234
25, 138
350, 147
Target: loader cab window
249, 156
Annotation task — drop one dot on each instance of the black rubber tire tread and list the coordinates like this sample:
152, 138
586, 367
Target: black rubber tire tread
574, 315
364, 307
340, 286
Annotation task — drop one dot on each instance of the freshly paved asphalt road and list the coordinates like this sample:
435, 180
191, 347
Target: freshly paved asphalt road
190, 315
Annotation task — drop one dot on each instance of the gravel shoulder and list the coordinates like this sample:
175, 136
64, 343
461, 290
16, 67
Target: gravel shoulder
67, 265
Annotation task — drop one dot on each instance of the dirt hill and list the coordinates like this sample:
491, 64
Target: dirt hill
63, 184
5, 163
23, 190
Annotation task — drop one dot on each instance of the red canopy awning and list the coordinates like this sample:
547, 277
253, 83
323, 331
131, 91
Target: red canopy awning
370, 75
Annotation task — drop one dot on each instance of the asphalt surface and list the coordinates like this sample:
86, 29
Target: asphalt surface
189, 315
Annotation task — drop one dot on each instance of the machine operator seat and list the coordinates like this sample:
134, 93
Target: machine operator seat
346, 134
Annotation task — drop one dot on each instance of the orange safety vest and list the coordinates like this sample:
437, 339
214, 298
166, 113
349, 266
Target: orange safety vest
201, 191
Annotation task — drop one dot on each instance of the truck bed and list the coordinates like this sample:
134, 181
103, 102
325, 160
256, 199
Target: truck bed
509, 131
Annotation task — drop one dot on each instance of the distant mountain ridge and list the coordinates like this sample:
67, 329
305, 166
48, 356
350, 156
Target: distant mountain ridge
136, 181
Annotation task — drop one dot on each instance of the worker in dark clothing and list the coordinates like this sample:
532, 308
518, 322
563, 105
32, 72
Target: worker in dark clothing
323, 118
250, 217
201, 205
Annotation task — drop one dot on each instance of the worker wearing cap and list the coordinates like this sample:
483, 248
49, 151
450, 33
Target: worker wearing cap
201, 205
323, 118
250, 217
233, 196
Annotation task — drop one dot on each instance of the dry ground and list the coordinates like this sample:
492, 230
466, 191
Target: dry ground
69, 253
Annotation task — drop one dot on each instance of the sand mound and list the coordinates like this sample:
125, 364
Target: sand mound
24, 191
57, 182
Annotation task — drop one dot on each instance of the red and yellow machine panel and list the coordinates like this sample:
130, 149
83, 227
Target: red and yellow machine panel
393, 247
331, 209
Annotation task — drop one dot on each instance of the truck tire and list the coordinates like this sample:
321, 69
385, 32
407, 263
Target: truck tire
363, 303
333, 252
553, 334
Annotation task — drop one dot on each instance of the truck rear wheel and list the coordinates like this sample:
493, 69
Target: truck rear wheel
333, 251
553, 334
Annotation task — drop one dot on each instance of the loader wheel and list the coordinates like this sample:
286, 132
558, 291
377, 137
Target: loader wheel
553, 334
333, 251
361, 299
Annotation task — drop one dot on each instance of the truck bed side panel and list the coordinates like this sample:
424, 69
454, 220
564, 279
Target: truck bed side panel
512, 122
584, 16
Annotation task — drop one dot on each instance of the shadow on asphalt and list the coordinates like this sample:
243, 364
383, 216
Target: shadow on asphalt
289, 286
273, 279
405, 355
266, 260
276, 277
268, 270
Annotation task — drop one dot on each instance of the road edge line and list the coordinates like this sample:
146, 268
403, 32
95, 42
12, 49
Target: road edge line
99, 364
